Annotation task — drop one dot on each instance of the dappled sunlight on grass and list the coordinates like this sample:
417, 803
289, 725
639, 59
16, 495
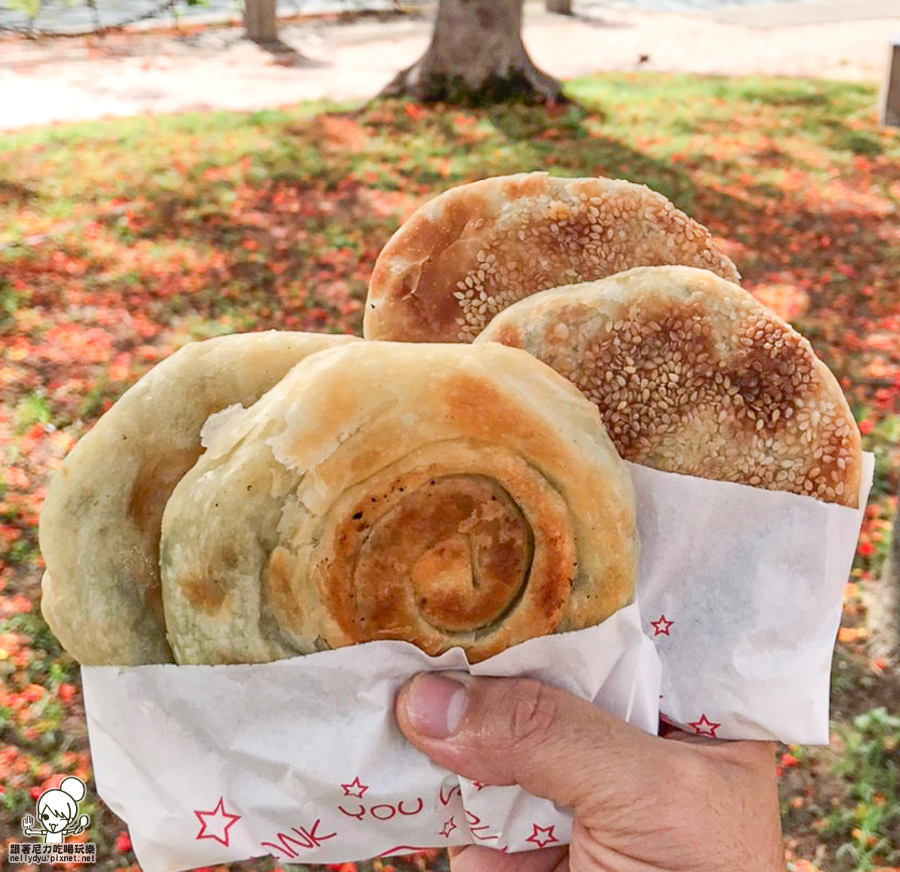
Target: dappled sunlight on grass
120, 241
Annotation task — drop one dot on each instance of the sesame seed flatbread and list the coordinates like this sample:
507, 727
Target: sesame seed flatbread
478, 248
692, 375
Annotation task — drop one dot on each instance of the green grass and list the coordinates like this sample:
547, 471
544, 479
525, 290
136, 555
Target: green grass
121, 240
870, 828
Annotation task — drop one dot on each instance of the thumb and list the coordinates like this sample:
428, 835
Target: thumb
520, 731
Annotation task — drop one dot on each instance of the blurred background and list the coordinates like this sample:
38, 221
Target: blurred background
176, 171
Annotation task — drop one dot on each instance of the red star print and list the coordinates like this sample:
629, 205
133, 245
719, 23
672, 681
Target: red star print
449, 827
661, 626
355, 788
216, 823
478, 785
704, 727
542, 836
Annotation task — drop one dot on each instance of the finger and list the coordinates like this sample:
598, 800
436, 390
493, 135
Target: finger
476, 858
519, 731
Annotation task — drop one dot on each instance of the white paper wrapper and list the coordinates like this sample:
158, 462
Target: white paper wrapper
302, 758
740, 590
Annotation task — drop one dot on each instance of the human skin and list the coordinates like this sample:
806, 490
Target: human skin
641, 803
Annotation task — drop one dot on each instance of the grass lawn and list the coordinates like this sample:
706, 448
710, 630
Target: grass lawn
122, 240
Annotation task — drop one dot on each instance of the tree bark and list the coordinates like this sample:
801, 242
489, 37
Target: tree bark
476, 57
260, 21
890, 90
561, 7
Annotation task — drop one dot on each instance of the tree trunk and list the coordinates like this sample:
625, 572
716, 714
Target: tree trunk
561, 7
260, 21
476, 57
890, 90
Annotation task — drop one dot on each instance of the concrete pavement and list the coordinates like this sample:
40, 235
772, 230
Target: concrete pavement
130, 74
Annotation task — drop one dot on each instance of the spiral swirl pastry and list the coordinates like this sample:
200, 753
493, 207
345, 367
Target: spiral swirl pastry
101, 520
444, 495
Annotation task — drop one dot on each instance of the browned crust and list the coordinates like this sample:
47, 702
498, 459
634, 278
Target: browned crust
446, 495
492, 594
100, 524
475, 249
692, 375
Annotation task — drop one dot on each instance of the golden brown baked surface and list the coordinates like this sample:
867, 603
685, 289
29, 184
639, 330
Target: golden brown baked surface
441, 494
100, 523
692, 375
476, 249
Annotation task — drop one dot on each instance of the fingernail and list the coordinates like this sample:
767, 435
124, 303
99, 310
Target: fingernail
435, 705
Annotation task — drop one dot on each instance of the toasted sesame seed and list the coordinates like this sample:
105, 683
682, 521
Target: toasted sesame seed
572, 230
684, 386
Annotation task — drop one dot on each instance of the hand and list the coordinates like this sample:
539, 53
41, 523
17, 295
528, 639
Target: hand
640, 802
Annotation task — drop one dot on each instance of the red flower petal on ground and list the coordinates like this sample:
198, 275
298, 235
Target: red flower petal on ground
52, 782
789, 761
33, 692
